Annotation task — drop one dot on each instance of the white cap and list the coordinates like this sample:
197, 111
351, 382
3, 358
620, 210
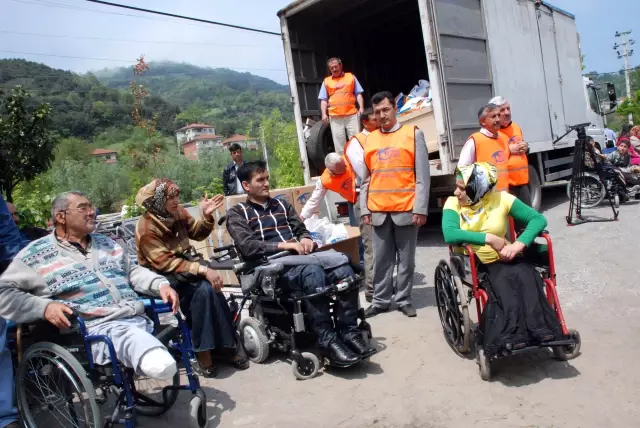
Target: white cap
499, 101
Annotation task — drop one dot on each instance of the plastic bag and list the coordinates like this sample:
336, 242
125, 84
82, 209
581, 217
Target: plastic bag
320, 228
421, 89
339, 233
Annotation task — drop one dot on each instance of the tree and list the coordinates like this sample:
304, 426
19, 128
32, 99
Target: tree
281, 139
73, 149
26, 142
631, 106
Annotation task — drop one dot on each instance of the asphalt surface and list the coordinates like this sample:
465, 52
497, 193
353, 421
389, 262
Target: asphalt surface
417, 381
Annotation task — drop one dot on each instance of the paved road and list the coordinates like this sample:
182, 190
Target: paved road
417, 381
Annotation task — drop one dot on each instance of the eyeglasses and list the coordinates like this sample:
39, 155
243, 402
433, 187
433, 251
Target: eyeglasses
83, 208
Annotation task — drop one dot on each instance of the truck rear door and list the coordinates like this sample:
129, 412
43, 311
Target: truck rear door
466, 83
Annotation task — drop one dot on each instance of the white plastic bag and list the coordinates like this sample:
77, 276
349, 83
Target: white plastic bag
320, 228
339, 233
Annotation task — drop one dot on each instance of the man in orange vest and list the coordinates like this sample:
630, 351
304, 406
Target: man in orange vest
338, 96
395, 200
489, 145
339, 169
518, 162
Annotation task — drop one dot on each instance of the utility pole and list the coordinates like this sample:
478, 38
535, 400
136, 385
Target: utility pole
626, 53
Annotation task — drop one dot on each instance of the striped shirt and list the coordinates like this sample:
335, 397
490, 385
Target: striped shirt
258, 229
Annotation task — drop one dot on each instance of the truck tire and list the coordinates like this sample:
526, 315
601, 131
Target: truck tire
535, 188
319, 144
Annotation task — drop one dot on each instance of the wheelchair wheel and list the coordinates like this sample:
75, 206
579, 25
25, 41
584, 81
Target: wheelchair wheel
150, 396
616, 200
308, 368
198, 410
53, 390
568, 352
452, 308
593, 191
484, 364
254, 339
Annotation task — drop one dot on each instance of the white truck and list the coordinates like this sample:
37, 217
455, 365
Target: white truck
469, 50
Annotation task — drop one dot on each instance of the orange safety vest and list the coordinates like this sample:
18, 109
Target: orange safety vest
494, 151
518, 163
361, 140
344, 185
391, 159
342, 99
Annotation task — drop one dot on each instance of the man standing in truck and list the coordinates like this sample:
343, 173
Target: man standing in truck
489, 145
341, 169
518, 163
338, 96
394, 198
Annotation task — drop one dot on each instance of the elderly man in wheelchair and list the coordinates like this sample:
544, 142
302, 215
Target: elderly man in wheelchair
508, 280
264, 226
79, 280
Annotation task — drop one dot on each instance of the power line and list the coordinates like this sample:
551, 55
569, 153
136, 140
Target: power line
131, 62
205, 21
132, 41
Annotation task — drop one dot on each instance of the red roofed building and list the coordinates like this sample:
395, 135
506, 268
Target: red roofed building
195, 147
248, 143
108, 156
190, 132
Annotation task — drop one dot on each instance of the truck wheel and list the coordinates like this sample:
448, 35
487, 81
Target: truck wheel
319, 144
535, 188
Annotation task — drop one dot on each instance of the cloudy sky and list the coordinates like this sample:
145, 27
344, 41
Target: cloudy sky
78, 35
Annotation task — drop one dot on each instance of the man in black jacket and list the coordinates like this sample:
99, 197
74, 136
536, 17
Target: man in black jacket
263, 226
230, 182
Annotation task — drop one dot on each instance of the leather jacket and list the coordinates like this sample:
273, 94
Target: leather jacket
229, 183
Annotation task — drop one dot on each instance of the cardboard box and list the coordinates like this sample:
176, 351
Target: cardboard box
217, 214
350, 246
300, 197
283, 194
231, 201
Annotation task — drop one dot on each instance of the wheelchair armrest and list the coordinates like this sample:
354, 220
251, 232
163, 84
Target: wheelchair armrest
244, 267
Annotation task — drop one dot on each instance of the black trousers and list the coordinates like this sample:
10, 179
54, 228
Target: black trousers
307, 279
207, 314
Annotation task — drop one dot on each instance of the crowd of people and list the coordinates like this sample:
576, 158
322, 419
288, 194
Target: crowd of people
381, 169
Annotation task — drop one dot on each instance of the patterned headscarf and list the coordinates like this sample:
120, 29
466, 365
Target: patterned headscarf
635, 132
479, 178
154, 197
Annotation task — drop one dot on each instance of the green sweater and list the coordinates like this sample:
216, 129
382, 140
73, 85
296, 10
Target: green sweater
521, 212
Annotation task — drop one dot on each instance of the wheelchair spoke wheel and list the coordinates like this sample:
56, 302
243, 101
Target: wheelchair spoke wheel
593, 191
452, 308
53, 390
151, 397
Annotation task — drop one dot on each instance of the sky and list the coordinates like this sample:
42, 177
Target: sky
81, 36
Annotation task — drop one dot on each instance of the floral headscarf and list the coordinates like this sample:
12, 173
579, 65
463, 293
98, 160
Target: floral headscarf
154, 197
479, 178
635, 132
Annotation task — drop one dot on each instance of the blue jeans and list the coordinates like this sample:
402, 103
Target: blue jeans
306, 279
8, 413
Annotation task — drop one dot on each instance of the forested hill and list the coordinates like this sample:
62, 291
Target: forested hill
227, 98
88, 105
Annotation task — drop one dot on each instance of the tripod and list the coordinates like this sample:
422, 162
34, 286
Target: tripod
578, 180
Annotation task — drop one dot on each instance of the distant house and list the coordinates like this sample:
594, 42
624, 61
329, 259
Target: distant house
190, 132
195, 147
248, 143
108, 156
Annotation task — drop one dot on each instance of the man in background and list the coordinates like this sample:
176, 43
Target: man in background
338, 96
230, 183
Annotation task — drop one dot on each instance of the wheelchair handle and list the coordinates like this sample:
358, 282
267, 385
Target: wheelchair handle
225, 248
243, 266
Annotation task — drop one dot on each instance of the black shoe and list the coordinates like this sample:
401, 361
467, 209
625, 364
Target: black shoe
359, 346
341, 355
372, 311
408, 310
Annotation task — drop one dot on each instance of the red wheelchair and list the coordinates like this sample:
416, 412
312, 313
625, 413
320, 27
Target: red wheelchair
460, 280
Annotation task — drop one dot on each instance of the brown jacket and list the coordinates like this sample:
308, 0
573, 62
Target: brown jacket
159, 244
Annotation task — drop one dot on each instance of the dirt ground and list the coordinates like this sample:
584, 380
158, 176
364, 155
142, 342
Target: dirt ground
417, 381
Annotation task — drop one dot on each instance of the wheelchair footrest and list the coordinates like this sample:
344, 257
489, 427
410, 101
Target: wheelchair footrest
165, 333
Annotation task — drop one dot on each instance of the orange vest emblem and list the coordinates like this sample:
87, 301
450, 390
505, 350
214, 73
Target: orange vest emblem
391, 159
342, 99
496, 152
344, 185
518, 163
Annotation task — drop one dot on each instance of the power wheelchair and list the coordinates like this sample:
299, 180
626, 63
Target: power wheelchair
276, 318
56, 379
461, 279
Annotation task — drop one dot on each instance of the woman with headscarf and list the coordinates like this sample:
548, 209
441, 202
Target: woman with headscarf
634, 137
517, 313
625, 135
162, 244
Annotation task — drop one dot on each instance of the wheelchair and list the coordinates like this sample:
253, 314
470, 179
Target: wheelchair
595, 190
461, 279
277, 320
57, 383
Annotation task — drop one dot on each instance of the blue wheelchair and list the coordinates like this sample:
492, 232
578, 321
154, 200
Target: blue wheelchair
58, 384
